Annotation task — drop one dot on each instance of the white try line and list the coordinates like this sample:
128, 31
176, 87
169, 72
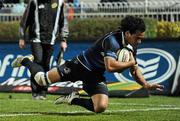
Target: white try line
17, 114
125, 104
142, 110
84, 112
138, 104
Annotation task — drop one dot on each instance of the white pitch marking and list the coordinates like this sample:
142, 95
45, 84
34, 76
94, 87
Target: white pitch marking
142, 110
137, 104
87, 112
18, 114
126, 104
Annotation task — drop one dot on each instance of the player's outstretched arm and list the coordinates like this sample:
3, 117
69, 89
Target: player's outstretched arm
138, 76
154, 87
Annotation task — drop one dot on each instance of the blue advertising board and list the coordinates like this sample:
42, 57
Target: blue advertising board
157, 60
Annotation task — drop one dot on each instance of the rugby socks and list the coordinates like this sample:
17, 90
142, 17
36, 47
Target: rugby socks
86, 103
47, 78
33, 67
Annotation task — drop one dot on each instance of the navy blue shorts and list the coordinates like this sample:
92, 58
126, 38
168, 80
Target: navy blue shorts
93, 82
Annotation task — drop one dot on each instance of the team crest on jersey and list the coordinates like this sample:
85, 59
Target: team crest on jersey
54, 5
67, 70
156, 65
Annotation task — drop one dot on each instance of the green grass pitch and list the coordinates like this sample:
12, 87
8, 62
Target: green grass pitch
21, 107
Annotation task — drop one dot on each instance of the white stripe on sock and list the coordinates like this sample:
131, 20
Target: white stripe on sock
49, 81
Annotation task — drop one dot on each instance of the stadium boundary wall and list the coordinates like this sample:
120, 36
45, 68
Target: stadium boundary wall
158, 61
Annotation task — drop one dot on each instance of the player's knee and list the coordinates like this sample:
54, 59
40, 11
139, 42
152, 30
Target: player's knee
100, 107
41, 79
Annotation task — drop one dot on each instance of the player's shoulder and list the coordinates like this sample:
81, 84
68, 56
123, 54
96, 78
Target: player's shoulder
114, 36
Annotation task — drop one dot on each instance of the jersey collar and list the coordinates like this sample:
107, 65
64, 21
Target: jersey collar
125, 44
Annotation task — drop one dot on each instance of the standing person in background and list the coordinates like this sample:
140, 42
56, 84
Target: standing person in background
1, 4
45, 20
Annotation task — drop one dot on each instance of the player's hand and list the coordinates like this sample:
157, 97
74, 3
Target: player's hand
63, 46
22, 43
154, 87
131, 59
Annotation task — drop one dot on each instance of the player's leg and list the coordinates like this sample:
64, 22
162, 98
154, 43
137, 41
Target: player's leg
96, 90
37, 52
37, 72
100, 102
97, 103
46, 57
99, 97
42, 78
63, 72
44, 60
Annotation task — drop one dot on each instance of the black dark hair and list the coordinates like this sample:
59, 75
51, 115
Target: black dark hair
132, 24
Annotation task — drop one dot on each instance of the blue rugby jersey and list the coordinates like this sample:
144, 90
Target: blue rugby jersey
107, 46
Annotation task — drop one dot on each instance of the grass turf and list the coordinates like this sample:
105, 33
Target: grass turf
21, 107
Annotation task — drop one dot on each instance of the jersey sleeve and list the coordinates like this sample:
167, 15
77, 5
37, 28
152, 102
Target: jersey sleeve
27, 18
135, 55
63, 23
111, 46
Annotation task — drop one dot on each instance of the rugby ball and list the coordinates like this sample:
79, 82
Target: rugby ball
123, 55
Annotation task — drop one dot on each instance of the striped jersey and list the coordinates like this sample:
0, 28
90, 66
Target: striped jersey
45, 20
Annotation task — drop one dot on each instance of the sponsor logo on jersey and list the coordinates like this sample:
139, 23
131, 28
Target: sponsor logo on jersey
54, 5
